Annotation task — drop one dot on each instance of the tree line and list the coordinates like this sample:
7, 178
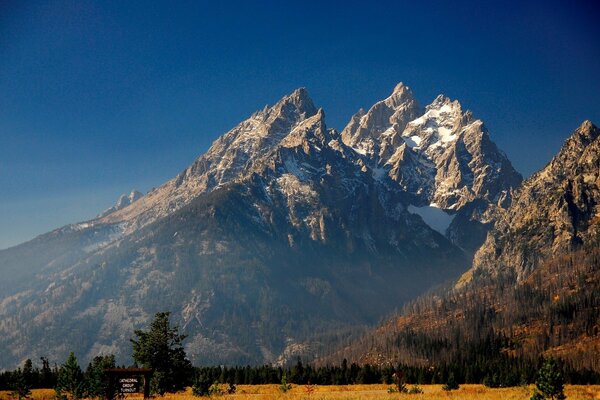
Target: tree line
161, 349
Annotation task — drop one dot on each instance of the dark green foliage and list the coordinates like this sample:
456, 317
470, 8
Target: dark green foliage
472, 369
215, 389
46, 376
451, 383
550, 382
161, 349
95, 378
284, 386
202, 383
69, 383
21, 382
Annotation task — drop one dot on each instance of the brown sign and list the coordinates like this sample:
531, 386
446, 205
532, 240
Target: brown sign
127, 380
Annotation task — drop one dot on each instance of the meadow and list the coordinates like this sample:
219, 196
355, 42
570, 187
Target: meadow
369, 392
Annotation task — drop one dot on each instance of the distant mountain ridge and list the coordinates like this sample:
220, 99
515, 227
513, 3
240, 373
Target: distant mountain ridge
284, 237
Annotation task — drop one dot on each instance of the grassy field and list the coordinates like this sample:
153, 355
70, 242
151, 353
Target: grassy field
356, 392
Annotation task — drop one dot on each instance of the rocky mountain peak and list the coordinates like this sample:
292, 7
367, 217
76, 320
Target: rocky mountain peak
312, 130
441, 156
585, 134
296, 105
443, 100
555, 210
400, 87
372, 133
123, 201
401, 95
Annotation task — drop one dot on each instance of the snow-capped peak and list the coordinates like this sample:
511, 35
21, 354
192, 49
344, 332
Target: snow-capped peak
436, 128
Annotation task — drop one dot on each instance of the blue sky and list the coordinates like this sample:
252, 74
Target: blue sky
98, 98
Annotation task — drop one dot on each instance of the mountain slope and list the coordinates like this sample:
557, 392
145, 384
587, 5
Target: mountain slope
277, 237
556, 211
534, 285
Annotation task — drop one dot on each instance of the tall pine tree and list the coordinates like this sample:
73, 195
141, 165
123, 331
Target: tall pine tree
161, 349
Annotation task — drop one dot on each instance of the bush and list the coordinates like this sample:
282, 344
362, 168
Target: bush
201, 385
285, 386
415, 390
550, 382
451, 383
231, 389
215, 390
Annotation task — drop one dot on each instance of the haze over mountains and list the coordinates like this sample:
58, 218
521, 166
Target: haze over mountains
286, 236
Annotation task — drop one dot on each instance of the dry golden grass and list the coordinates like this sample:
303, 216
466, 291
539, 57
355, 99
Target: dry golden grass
358, 392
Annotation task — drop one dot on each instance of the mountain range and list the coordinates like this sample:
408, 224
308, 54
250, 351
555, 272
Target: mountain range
533, 288
287, 237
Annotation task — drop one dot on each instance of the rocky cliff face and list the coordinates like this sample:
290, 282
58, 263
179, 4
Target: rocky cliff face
533, 285
441, 156
557, 210
284, 232
230, 158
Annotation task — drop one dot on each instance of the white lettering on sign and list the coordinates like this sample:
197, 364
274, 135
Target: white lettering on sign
129, 385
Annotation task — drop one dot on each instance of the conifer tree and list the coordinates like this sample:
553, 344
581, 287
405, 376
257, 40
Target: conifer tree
95, 379
550, 382
161, 349
69, 382
451, 383
20, 386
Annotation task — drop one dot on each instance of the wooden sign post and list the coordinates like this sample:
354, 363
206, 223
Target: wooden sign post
127, 380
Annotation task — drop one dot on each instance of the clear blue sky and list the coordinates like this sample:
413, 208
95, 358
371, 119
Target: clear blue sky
97, 98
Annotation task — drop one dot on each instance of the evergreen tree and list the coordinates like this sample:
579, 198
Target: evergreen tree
69, 382
284, 386
95, 377
47, 377
451, 383
201, 384
161, 349
29, 373
19, 386
550, 382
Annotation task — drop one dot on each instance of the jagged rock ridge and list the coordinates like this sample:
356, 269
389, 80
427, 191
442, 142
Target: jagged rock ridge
555, 211
441, 155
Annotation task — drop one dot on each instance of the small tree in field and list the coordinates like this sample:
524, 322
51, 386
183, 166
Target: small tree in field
20, 382
201, 385
69, 382
284, 386
161, 349
451, 383
549, 382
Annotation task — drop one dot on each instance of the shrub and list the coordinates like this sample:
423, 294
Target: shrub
415, 390
285, 386
549, 382
451, 383
201, 385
